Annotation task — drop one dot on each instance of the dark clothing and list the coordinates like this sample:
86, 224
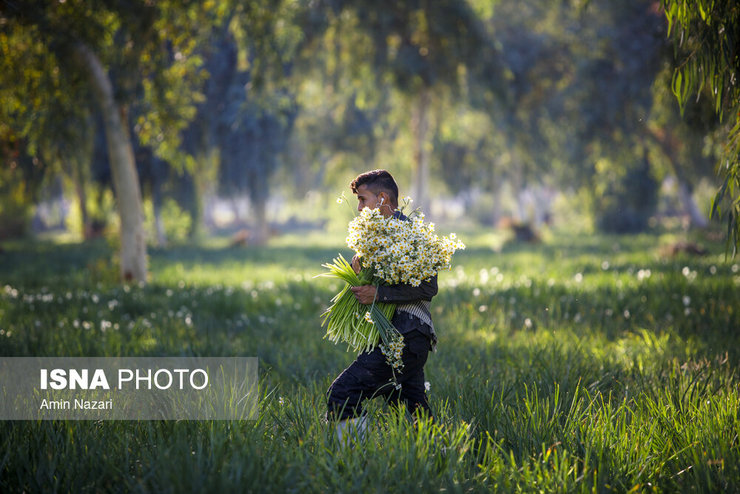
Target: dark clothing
370, 375
404, 293
414, 301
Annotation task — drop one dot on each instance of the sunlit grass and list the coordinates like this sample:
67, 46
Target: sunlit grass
578, 364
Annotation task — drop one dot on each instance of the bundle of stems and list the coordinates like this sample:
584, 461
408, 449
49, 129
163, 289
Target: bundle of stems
347, 320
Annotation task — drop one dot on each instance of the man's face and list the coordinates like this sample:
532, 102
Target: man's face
367, 199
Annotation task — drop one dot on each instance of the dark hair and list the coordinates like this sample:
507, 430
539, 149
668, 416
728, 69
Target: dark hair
377, 181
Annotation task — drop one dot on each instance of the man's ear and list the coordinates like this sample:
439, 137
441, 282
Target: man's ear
383, 198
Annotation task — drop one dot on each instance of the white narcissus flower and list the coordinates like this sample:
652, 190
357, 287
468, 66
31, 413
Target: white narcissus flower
401, 251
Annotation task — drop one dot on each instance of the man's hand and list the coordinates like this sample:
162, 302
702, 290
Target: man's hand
356, 264
364, 294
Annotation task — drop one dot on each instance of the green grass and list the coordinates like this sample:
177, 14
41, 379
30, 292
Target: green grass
578, 365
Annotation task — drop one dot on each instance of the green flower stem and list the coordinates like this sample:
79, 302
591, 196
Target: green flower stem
345, 319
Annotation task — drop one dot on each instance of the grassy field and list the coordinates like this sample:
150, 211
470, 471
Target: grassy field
583, 364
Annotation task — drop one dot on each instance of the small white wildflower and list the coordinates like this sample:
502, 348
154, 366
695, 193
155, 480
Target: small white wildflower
484, 276
643, 274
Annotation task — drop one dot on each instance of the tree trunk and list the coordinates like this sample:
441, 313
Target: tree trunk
689, 205
79, 181
668, 146
421, 152
259, 195
159, 227
517, 183
123, 168
262, 231
198, 210
204, 171
158, 220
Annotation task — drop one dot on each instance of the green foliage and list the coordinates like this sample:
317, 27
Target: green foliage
15, 204
348, 321
239, 96
101, 210
424, 44
469, 150
625, 197
41, 104
705, 35
727, 199
21, 176
177, 222
588, 363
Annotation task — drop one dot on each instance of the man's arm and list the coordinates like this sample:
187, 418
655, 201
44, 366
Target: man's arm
403, 293
400, 293
396, 294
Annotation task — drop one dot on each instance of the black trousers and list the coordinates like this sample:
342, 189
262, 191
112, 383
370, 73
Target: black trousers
370, 376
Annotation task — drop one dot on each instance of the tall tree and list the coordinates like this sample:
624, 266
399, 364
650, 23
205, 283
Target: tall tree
705, 34
682, 142
125, 176
149, 44
246, 117
580, 95
426, 47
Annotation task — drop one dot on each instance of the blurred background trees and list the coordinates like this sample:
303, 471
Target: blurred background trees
174, 119
706, 37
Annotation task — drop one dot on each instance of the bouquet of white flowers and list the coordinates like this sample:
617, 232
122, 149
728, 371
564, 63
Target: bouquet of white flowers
400, 251
392, 250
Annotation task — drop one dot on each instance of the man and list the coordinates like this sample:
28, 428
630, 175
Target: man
370, 375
